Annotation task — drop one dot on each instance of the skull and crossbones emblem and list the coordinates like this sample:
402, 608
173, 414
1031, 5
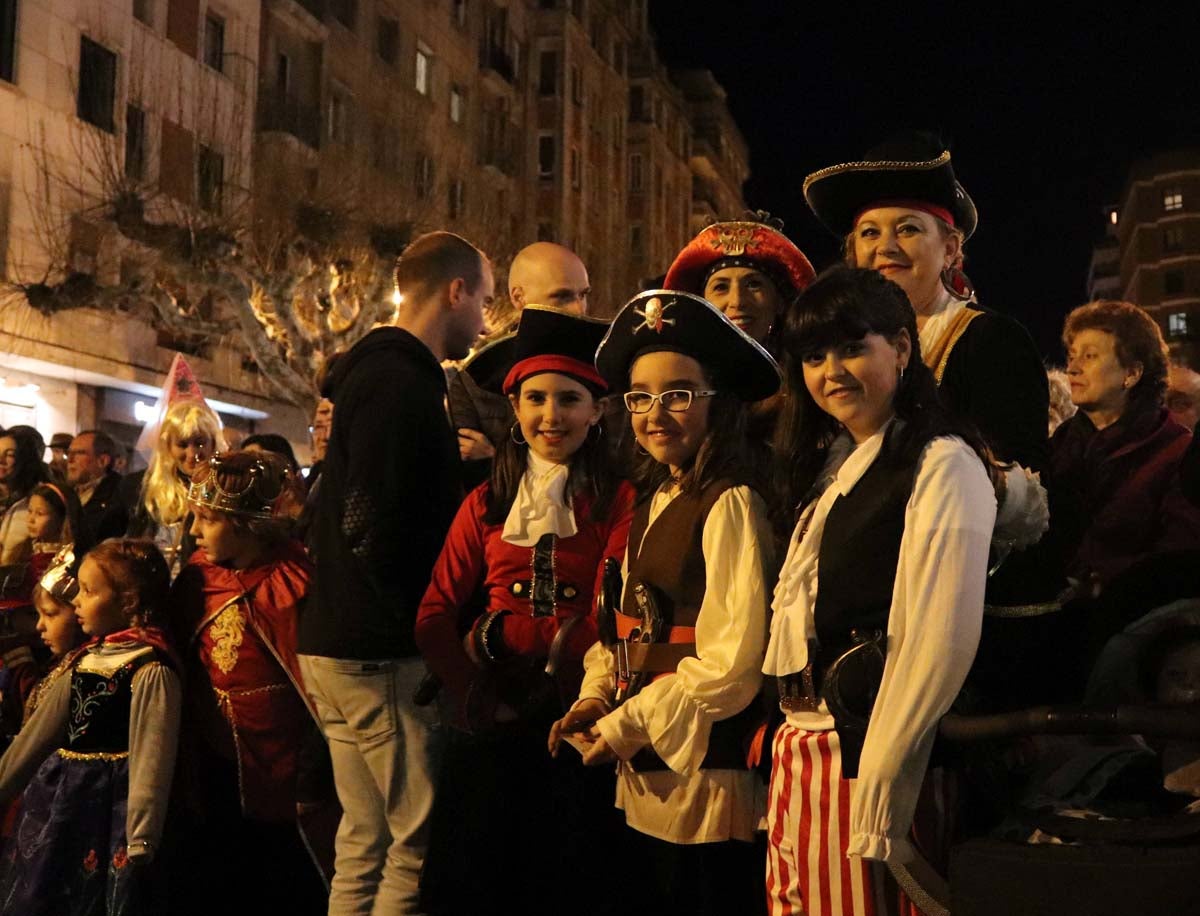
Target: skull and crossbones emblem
652, 316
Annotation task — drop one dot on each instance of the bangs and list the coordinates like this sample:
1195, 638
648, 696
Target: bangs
830, 326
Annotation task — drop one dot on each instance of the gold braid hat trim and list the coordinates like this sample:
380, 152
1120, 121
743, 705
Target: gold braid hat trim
879, 165
110, 756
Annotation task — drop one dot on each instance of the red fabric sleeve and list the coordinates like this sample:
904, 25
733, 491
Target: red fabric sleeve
456, 577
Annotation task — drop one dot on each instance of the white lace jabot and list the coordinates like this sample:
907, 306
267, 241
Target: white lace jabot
541, 505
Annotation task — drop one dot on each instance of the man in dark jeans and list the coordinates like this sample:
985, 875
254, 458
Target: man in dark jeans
389, 489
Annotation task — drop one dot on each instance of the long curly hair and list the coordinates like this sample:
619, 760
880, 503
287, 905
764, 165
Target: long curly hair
164, 494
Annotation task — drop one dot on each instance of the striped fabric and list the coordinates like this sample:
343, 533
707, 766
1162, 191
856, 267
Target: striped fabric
808, 829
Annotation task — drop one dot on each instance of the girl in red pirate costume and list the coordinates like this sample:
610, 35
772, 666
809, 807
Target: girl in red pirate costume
883, 583
98, 752
504, 626
247, 717
672, 696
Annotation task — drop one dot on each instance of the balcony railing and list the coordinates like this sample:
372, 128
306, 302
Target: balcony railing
290, 116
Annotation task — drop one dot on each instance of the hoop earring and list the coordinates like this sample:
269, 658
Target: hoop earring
599, 430
515, 431
957, 283
638, 448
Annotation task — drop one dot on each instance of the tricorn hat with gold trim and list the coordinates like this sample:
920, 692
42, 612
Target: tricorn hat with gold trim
913, 167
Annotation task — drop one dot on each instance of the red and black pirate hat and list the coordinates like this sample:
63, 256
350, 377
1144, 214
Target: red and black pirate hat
551, 340
740, 243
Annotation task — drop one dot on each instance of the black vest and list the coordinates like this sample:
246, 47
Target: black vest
860, 548
100, 706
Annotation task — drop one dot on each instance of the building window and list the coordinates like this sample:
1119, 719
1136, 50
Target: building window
1113, 215
143, 12
387, 40
617, 121
339, 124
1172, 199
460, 13
457, 104
635, 240
283, 75
210, 179
97, 84
547, 154
636, 178
577, 9
1172, 283
345, 12
1177, 324
545, 232
214, 42
424, 67
576, 85
135, 143
1173, 239
8, 49
619, 57
637, 103
576, 169
424, 176
548, 73
457, 189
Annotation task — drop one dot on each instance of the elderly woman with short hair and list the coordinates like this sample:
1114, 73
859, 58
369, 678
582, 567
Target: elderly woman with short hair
1115, 464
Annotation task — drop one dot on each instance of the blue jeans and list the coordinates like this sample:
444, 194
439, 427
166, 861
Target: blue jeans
384, 753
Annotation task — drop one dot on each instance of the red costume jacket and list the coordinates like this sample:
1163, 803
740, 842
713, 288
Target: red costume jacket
245, 695
478, 572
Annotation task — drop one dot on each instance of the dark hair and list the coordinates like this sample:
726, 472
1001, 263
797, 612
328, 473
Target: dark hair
276, 445
102, 442
727, 452
65, 504
135, 566
590, 472
845, 304
434, 260
1138, 340
29, 469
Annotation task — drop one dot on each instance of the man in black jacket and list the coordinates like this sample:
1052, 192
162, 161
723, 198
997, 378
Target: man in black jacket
390, 486
90, 472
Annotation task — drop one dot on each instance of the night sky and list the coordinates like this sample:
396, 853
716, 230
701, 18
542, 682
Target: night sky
1043, 117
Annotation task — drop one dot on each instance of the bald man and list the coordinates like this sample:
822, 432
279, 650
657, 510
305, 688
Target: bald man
548, 274
543, 273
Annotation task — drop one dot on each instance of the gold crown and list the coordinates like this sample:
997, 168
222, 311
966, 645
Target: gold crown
248, 501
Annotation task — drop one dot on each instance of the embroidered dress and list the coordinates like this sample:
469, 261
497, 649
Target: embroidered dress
103, 746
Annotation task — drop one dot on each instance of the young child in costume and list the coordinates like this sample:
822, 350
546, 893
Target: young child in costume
673, 700
96, 757
505, 623
52, 522
246, 716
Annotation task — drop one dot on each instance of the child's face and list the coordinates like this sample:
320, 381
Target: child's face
1179, 676
222, 540
57, 626
41, 521
99, 607
671, 437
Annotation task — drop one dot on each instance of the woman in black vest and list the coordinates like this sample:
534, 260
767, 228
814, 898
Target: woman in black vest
888, 563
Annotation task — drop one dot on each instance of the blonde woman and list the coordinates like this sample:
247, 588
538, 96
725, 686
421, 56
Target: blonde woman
157, 497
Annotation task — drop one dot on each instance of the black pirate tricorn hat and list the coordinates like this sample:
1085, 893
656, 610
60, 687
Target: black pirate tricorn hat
662, 319
909, 167
551, 340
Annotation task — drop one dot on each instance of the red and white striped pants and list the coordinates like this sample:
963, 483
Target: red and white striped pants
808, 829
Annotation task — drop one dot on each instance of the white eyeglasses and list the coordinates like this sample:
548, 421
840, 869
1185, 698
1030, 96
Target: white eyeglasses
677, 400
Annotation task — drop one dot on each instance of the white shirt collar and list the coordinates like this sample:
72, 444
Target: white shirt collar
540, 506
